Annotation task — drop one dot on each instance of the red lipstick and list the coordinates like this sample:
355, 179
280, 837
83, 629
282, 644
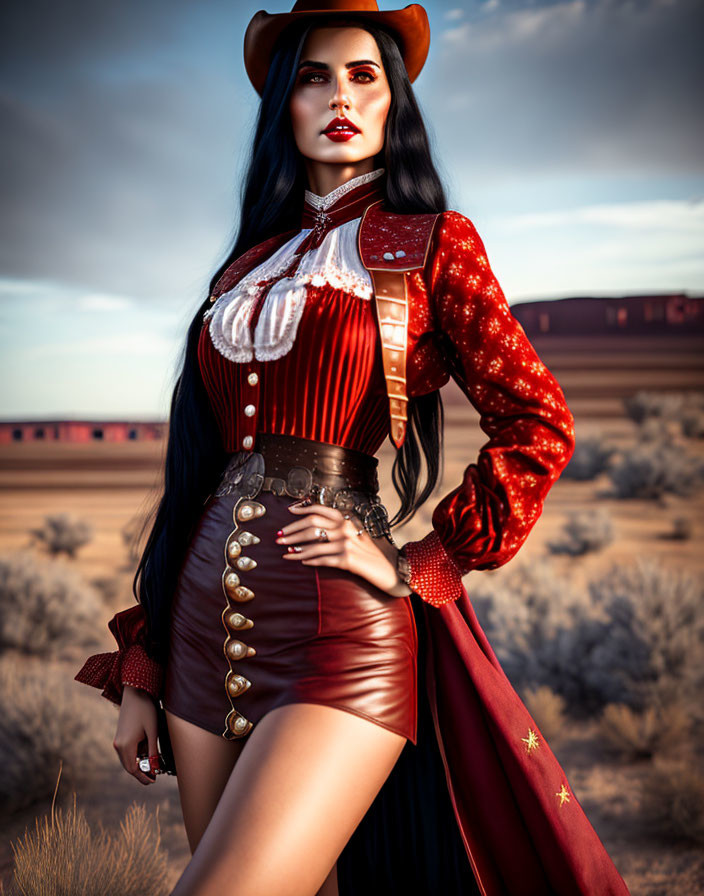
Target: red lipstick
341, 129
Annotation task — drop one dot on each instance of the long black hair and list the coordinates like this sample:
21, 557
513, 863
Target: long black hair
272, 197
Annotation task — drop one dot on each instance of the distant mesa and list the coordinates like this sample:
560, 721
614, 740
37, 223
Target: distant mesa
81, 431
638, 315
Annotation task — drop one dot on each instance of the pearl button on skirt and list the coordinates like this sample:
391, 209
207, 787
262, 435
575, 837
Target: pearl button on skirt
251, 631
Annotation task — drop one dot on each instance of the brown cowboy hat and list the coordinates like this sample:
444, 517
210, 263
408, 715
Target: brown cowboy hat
410, 24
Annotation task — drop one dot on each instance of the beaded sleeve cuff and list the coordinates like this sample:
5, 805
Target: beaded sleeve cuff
435, 577
130, 664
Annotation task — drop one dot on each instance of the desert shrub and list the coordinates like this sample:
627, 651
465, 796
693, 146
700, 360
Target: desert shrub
584, 531
548, 710
45, 606
638, 735
132, 533
684, 409
661, 610
672, 797
541, 631
589, 459
45, 721
63, 533
655, 429
692, 422
646, 403
682, 528
109, 587
639, 639
651, 470
64, 855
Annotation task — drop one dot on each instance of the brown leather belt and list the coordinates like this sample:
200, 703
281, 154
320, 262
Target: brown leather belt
328, 474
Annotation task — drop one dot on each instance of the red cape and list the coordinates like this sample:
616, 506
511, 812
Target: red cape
523, 829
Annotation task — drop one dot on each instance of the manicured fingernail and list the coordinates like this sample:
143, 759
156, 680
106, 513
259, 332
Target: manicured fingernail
280, 533
304, 502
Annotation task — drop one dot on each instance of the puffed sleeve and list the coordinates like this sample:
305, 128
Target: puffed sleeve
129, 664
483, 522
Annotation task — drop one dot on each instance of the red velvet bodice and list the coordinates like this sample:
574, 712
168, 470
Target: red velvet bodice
329, 387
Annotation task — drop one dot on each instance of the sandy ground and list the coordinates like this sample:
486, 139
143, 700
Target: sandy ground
111, 485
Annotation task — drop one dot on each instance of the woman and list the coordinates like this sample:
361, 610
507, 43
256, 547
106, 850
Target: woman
339, 722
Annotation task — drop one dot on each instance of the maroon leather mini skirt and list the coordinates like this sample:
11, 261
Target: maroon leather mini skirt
252, 631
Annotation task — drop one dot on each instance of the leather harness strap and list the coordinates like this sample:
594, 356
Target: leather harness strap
388, 266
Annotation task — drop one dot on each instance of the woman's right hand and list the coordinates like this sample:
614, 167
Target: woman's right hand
137, 722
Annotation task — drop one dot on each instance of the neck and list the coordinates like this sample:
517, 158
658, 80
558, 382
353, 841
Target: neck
324, 177
343, 203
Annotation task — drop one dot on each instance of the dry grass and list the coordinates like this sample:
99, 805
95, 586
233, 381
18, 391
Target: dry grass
64, 856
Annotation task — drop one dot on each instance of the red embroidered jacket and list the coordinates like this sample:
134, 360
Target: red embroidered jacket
470, 334
460, 326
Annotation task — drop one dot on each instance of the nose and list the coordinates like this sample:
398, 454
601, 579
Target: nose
339, 101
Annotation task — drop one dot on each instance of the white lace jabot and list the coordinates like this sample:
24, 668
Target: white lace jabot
335, 262
323, 202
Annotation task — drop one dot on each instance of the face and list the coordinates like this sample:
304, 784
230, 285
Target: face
340, 77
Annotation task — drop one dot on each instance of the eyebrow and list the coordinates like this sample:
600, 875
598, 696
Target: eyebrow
313, 64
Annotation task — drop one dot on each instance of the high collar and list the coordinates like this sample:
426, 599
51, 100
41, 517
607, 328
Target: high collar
345, 202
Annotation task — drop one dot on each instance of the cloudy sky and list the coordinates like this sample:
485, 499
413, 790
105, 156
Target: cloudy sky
570, 132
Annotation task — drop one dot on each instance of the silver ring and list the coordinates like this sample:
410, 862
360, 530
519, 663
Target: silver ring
321, 535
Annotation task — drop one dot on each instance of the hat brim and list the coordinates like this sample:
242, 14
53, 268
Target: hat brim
410, 24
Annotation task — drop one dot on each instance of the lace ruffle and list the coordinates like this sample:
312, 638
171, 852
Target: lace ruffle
335, 263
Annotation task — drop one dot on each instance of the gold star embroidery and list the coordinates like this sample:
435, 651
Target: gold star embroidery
531, 742
564, 795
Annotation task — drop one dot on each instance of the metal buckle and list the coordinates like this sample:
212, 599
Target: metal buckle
376, 520
299, 482
277, 485
231, 477
254, 475
345, 500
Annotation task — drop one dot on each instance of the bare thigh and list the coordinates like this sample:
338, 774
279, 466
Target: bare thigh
303, 781
205, 761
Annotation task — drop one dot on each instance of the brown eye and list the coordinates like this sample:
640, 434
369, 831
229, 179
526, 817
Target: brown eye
367, 77
311, 78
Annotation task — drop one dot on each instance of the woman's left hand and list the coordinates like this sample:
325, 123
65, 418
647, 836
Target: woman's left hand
373, 559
